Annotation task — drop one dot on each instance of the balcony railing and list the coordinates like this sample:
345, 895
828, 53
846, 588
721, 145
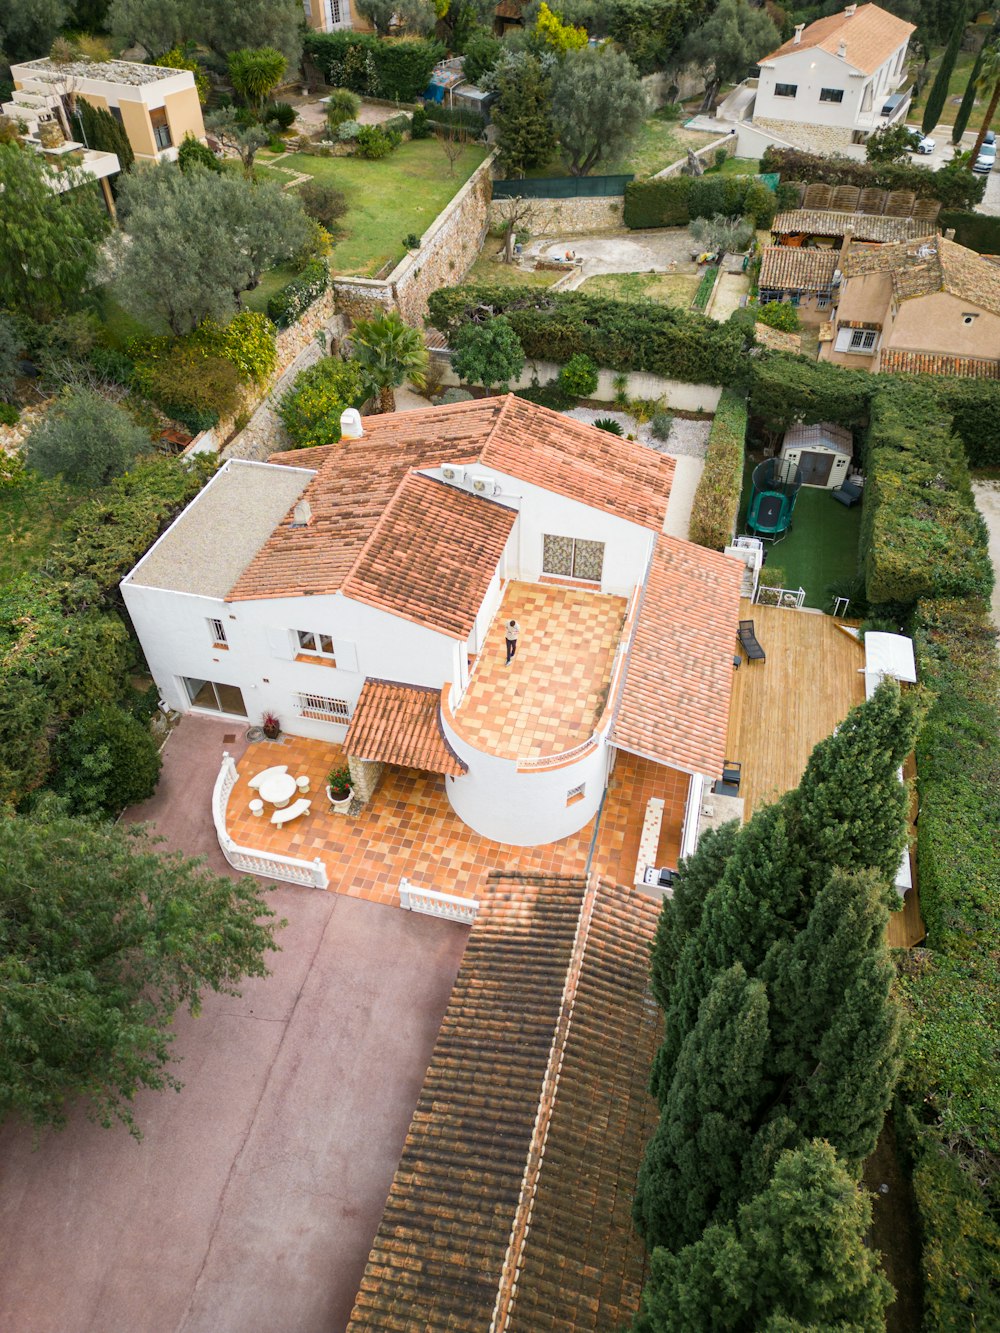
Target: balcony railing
269, 864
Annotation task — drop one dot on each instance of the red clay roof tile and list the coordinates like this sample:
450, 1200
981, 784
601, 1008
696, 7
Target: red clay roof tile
400, 724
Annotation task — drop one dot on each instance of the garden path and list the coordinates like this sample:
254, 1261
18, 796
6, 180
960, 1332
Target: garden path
987, 495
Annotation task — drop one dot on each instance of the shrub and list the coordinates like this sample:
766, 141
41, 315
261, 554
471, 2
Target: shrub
282, 113
578, 376
84, 438
617, 334
397, 124
411, 241
954, 186
721, 157
779, 315
191, 385
324, 203
348, 131
192, 153
717, 499
609, 424
106, 761
311, 409
342, 106
247, 341
456, 396
288, 303
786, 389
488, 354
10, 415
675, 200
978, 231
111, 364
551, 395
398, 69
374, 143
660, 424
420, 125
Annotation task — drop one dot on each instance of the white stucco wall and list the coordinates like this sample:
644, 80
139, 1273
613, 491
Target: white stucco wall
812, 69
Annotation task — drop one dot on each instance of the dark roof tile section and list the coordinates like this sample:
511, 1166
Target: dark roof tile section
583, 1266
439, 1251
432, 555
898, 362
933, 264
679, 675
400, 724
862, 226
795, 268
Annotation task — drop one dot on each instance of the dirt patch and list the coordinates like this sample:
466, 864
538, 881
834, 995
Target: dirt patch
894, 1230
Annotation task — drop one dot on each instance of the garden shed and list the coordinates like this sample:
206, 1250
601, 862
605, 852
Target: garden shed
822, 452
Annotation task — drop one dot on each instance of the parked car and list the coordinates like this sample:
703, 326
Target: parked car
987, 156
925, 145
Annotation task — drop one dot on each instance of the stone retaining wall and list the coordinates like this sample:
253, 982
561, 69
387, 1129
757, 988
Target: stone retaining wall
572, 217
814, 138
727, 141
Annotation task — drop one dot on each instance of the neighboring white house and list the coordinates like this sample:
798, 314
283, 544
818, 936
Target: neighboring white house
359, 592
835, 81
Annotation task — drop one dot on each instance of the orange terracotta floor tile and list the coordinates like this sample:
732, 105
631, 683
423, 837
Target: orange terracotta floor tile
408, 829
552, 694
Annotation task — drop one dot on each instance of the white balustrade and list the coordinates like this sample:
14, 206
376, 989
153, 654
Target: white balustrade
268, 864
432, 903
792, 597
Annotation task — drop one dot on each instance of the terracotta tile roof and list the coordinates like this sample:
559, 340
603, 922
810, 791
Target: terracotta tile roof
357, 481
400, 724
934, 264
900, 362
796, 268
432, 555
547, 1041
777, 339
863, 226
679, 676
438, 1254
583, 1266
871, 34
573, 459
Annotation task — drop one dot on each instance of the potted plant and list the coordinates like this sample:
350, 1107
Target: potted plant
271, 727
338, 789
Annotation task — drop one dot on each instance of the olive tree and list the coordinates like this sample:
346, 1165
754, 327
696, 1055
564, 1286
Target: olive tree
598, 105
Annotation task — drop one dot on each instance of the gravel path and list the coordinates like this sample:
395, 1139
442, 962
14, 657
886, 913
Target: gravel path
688, 439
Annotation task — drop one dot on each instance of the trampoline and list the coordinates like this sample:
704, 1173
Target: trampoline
776, 483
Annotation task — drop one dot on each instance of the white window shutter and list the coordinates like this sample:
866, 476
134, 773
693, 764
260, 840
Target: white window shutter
279, 640
346, 655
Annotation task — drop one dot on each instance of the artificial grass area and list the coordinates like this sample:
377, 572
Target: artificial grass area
820, 549
387, 200
676, 289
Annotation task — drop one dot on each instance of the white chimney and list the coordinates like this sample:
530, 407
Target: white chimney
850, 11
842, 50
798, 34
301, 514
350, 424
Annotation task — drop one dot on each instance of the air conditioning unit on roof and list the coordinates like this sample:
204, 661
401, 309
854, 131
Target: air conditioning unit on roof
449, 473
480, 484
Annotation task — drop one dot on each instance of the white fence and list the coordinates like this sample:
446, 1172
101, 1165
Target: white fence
432, 903
794, 597
271, 866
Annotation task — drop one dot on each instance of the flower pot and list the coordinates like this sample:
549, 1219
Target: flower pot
340, 805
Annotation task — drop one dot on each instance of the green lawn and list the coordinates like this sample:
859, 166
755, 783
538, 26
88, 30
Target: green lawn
675, 289
120, 325
270, 282
736, 166
956, 88
487, 269
403, 193
659, 143
821, 548
31, 520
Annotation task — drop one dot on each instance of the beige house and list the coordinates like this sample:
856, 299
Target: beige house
920, 306
329, 15
156, 106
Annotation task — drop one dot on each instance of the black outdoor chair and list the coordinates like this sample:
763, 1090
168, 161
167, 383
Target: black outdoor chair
849, 493
729, 783
748, 642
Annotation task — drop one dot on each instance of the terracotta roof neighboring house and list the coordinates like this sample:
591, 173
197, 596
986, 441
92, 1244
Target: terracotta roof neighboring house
777, 339
674, 704
432, 555
796, 268
358, 480
871, 36
935, 264
862, 226
546, 1044
400, 724
896, 362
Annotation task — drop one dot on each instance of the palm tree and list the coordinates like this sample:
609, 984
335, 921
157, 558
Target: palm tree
389, 352
988, 81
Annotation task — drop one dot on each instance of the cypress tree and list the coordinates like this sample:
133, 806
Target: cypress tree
99, 130
968, 100
794, 1258
939, 88
695, 1157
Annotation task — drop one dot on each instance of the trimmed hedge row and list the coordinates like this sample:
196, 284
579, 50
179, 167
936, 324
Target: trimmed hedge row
289, 302
555, 326
717, 500
954, 186
921, 534
979, 231
397, 69
975, 411
675, 200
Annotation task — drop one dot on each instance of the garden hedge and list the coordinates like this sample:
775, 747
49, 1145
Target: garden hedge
786, 389
921, 534
287, 304
555, 326
397, 69
717, 499
955, 187
675, 200
979, 231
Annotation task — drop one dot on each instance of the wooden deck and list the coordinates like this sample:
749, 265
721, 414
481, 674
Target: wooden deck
782, 707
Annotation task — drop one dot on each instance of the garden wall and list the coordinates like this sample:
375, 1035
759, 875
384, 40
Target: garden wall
447, 252
569, 217
706, 154
677, 394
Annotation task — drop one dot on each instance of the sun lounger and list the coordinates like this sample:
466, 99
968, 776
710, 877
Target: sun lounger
748, 642
290, 812
848, 494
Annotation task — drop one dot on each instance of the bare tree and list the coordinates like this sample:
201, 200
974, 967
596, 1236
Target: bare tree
517, 215
453, 139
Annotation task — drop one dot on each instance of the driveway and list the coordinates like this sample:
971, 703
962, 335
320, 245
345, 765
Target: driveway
252, 1202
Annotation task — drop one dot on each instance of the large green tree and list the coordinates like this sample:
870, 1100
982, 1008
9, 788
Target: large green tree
85, 439
49, 238
488, 354
102, 940
523, 114
794, 1258
728, 43
191, 243
98, 129
939, 88
598, 105
157, 25
988, 83
238, 23
389, 352
27, 27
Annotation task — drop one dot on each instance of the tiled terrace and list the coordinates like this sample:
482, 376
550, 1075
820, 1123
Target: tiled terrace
552, 695
409, 829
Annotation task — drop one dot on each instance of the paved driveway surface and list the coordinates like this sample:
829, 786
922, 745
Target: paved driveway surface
251, 1204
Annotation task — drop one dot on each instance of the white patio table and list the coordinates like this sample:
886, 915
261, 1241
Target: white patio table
278, 789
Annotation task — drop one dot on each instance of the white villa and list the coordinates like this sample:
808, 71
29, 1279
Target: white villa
360, 591
835, 81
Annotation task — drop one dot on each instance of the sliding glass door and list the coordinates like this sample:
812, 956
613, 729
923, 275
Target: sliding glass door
215, 697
